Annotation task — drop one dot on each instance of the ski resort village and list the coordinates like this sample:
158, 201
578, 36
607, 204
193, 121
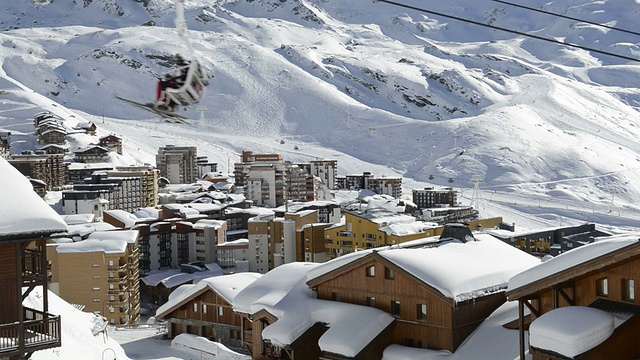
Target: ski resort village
319, 179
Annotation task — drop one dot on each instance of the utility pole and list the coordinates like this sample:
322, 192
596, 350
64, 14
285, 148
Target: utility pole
476, 198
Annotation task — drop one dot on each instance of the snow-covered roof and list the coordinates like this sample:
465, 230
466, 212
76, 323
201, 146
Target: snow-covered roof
460, 271
227, 286
571, 330
83, 230
463, 271
76, 219
22, 211
573, 258
130, 236
124, 217
108, 246
403, 229
203, 224
173, 277
283, 293
239, 242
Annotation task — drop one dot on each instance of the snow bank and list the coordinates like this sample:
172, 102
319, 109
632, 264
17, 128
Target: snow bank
204, 349
399, 352
78, 341
570, 331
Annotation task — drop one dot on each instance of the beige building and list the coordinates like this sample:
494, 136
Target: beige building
178, 164
148, 184
100, 273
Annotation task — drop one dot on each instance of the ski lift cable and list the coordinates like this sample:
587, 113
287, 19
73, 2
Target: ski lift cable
566, 17
511, 31
181, 27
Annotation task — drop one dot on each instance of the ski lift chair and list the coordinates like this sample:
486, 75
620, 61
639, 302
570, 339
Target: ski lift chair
191, 90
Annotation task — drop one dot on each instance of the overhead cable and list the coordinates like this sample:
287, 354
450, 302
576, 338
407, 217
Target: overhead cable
511, 31
566, 17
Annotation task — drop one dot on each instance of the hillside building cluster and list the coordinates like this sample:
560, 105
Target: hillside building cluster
269, 264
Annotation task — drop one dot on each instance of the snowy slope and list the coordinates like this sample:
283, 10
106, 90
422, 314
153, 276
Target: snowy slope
379, 87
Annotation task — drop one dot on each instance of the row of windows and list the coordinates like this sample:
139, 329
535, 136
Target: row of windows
204, 309
388, 272
421, 309
628, 288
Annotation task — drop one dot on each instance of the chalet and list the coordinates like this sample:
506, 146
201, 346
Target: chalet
157, 285
582, 302
92, 154
112, 142
26, 222
205, 309
54, 149
39, 186
88, 127
439, 289
53, 136
44, 115
284, 320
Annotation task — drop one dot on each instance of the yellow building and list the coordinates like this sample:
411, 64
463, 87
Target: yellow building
371, 230
101, 273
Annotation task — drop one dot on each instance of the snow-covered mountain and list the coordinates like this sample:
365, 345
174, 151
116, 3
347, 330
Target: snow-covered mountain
379, 87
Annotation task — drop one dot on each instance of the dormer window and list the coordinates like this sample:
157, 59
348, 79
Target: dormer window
602, 287
371, 271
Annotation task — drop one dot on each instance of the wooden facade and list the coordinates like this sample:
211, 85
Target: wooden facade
425, 318
23, 265
581, 285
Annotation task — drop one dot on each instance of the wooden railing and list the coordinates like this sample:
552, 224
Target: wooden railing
32, 263
40, 331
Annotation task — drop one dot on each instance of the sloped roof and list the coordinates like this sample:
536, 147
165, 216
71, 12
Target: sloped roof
227, 286
580, 259
22, 212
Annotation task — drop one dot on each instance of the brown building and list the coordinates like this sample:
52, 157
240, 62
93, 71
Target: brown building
112, 142
241, 169
53, 136
101, 273
48, 168
25, 225
206, 309
439, 290
92, 154
597, 281
148, 184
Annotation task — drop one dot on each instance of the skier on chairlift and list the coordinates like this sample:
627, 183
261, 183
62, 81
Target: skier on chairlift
174, 81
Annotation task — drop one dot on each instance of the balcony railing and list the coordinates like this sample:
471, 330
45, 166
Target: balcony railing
119, 268
39, 333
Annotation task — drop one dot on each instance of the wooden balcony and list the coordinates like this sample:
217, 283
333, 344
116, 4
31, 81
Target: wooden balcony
39, 331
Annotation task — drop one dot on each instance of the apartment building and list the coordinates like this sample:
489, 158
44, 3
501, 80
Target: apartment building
178, 164
380, 184
375, 229
274, 241
148, 181
265, 184
101, 273
205, 167
325, 170
5, 144
49, 168
124, 193
241, 169
430, 197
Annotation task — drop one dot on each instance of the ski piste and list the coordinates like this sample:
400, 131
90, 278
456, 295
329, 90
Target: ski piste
166, 114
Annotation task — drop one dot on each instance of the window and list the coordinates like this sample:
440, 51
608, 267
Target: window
195, 307
628, 290
204, 308
409, 342
96, 265
422, 344
371, 301
395, 308
220, 311
602, 287
388, 273
96, 277
335, 296
422, 312
96, 289
96, 300
371, 271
